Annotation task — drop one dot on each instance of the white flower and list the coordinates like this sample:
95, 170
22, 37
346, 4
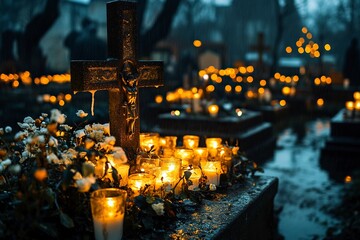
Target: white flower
43, 130
57, 116
20, 135
81, 113
110, 140
68, 155
119, 155
52, 158
8, 129
28, 120
6, 162
103, 146
66, 127
106, 128
53, 142
80, 133
97, 135
84, 184
158, 208
212, 187
23, 125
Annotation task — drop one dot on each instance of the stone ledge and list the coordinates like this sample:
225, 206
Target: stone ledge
246, 212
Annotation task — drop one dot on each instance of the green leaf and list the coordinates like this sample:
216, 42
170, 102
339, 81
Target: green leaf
115, 176
65, 220
187, 174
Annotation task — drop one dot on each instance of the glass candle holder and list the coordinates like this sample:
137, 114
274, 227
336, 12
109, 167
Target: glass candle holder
225, 156
167, 152
212, 145
186, 156
162, 142
147, 140
139, 181
357, 109
212, 170
148, 165
108, 210
170, 141
213, 110
169, 171
350, 107
191, 141
200, 154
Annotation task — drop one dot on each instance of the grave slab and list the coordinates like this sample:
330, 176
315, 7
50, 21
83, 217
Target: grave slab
340, 155
254, 136
244, 213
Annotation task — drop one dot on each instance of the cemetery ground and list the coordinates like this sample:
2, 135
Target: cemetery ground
309, 204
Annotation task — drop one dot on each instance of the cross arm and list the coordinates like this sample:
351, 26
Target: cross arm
94, 75
151, 73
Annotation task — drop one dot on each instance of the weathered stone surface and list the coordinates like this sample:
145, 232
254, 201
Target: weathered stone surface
340, 155
246, 212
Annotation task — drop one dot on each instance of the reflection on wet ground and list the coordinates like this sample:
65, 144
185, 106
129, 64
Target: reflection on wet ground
305, 190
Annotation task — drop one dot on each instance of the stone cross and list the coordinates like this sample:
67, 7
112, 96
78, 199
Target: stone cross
121, 74
260, 47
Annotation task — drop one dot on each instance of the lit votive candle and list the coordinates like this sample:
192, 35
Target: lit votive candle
108, 210
148, 165
170, 141
225, 156
139, 181
169, 171
186, 156
357, 109
212, 170
213, 110
191, 141
147, 140
162, 142
200, 155
212, 145
349, 105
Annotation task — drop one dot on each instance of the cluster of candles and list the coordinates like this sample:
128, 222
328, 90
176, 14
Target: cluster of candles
352, 108
161, 172
166, 169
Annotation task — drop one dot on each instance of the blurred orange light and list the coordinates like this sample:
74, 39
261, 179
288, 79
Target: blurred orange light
320, 102
68, 97
238, 89
327, 47
228, 88
197, 43
282, 102
348, 179
250, 69
158, 99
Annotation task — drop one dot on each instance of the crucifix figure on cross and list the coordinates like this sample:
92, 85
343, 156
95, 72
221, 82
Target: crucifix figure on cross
121, 74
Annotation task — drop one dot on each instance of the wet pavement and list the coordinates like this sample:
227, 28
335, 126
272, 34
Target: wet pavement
305, 190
